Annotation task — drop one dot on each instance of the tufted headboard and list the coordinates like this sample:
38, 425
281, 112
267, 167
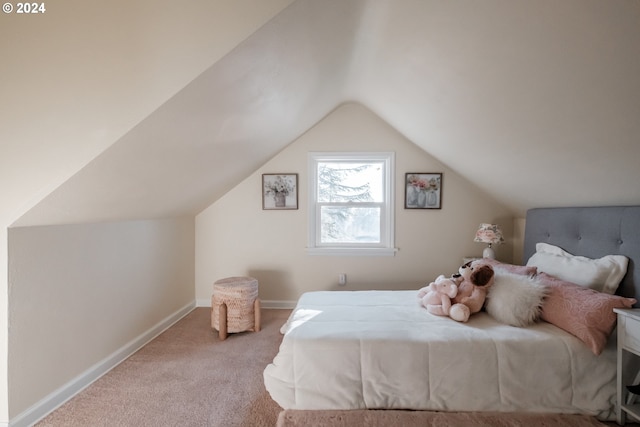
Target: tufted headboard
591, 232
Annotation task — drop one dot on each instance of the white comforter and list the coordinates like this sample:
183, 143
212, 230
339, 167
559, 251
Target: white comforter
380, 349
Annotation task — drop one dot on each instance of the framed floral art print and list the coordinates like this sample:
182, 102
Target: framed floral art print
423, 190
280, 191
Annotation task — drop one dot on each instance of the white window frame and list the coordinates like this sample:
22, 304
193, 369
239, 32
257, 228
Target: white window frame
387, 225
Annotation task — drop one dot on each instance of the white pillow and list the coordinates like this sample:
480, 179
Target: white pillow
551, 249
602, 274
515, 299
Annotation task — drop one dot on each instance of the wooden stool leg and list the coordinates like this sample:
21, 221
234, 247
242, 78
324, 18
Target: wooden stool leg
256, 312
213, 323
222, 319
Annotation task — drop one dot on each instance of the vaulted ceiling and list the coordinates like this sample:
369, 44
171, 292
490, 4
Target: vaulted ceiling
537, 102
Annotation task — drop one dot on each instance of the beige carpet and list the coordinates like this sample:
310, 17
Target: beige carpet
185, 377
188, 377
292, 418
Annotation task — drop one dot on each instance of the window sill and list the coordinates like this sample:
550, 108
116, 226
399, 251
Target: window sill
352, 251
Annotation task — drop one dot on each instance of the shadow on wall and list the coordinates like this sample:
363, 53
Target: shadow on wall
353, 284
272, 284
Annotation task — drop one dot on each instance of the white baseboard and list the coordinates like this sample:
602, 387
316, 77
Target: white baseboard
268, 304
57, 398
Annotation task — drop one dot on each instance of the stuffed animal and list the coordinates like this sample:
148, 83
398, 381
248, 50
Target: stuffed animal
436, 297
473, 283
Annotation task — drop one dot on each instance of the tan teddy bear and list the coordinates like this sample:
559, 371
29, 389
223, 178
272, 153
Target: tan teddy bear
474, 282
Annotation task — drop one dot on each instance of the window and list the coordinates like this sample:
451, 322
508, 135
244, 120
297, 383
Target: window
351, 203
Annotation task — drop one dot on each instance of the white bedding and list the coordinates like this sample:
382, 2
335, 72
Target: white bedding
380, 349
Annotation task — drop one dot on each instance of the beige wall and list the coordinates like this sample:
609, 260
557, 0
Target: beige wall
79, 293
88, 72
4, 329
81, 75
234, 236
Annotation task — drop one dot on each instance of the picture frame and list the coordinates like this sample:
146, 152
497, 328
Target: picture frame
423, 190
279, 191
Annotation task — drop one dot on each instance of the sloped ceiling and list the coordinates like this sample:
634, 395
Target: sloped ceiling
537, 102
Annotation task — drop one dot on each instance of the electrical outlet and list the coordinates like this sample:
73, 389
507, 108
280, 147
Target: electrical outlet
342, 279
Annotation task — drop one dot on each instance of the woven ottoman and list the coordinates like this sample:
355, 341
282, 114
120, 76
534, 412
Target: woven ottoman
235, 306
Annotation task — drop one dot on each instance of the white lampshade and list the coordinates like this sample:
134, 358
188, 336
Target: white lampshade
490, 234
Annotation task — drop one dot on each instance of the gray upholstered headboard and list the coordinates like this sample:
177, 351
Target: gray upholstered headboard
591, 232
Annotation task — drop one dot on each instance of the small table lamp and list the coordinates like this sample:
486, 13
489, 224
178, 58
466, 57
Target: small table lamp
491, 234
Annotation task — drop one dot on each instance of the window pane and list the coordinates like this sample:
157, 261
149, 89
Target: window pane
350, 182
349, 224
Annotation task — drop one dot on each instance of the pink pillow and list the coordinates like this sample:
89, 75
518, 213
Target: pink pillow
510, 268
583, 312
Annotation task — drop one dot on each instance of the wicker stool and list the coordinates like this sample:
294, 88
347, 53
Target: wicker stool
235, 306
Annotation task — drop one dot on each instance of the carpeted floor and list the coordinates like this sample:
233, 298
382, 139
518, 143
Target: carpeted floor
185, 377
292, 418
188, 377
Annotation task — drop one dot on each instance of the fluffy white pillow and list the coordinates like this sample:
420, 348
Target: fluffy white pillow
515, 299
602, 274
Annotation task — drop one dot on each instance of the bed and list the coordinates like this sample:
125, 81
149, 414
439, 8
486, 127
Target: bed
382, 350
